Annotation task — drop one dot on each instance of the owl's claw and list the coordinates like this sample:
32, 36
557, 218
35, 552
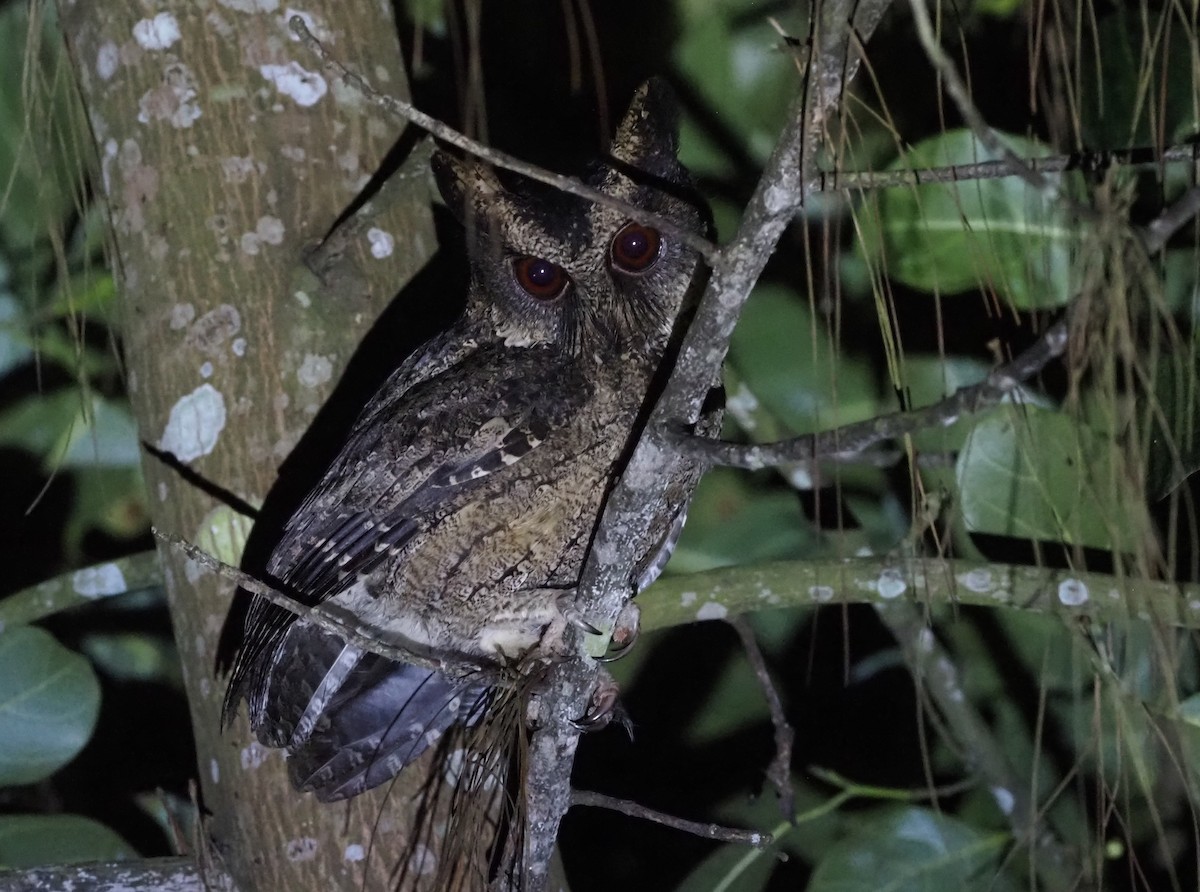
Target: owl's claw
625, 632
603, 707
573, 615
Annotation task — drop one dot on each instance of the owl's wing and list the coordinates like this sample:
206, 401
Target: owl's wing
411, 451
392, 474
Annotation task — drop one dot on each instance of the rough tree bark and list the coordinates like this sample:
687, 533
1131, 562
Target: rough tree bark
226, 153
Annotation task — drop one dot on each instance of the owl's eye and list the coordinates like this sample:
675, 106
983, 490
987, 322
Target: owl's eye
540, 278
635, 248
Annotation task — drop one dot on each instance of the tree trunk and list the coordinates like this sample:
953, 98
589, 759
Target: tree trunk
226, 152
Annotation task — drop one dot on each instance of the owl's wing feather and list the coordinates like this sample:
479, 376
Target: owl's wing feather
409, 455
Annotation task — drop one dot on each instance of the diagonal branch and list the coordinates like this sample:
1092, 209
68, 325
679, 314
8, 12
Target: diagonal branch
640, 494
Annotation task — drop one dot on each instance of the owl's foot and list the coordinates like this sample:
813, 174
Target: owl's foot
625, 632
570, 611
604, 707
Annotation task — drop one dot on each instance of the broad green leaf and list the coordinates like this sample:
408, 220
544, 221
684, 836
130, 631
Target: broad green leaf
49, 699
734, 521
136, 656
1136, 87
112, 500
999, 234
1036, 474
39, 160
785, 358
731, 58
35, 840
68, 432
912, 850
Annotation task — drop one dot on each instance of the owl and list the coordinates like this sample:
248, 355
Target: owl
455, 522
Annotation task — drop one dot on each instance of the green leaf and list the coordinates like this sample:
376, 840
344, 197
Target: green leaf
40, 130
49, 700
910, 850
34, 840
1037, 474
785, 359
1135, 89
734, 521
68, 431
135, 656
1000, 234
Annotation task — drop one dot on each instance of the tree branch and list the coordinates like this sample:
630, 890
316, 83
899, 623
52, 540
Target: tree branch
639, 495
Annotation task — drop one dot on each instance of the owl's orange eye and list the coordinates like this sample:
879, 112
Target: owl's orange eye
635, 248
540, 278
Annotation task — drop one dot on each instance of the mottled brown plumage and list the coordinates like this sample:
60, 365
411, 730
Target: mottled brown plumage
457, 518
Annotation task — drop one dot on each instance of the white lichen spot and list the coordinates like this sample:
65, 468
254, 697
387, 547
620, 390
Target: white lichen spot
978, 580
382, 243
192, 571
1072, 592
303, 299
238, 346
422, 861
199, 645
173, 101
253, 756
925, 640
1004, 799
712, 610
237, 168
205, 686
214, 771
249, 243
157, 33
301, 849
891, 584
294, 153
821, 593
99, 581
206, 370
108, 57
269, 230
162, 491
315, 370
181, 316
250, 5
302, 86
800, 477
742, 405
1194, 604
354, 852
195, 423
687, 599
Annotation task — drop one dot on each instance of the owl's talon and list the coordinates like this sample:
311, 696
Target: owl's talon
603, 707
625, 633
573, 615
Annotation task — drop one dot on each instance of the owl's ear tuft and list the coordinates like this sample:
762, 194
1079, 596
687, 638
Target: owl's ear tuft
470, 189
648, 136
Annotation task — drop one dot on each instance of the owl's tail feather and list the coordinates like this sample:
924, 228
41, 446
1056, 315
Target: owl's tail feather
383, 717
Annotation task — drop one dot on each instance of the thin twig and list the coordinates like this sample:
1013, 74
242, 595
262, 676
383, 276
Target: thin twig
408, 112
1159, 231
843, 443
697, 828
1131, 159
962, 98
779, 772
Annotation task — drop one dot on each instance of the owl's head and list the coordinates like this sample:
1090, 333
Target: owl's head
551, 268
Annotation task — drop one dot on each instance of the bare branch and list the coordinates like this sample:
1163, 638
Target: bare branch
779, 772
843, 443
151, 875
639, 495
697, 828
1132, 159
